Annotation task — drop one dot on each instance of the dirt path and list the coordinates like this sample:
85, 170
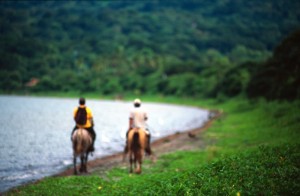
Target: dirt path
189, 140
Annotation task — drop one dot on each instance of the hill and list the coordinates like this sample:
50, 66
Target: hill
181, 48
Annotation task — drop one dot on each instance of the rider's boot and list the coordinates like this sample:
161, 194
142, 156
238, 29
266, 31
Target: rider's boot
92, 149
126, 143
148, 147
93, 134
126, 148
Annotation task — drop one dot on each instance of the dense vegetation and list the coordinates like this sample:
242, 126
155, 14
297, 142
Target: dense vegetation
191, 49
182, 48
252, 150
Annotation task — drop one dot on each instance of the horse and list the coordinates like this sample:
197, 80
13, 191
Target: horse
82, 141
137, 142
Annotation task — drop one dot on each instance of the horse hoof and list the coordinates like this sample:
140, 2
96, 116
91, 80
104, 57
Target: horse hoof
138, 171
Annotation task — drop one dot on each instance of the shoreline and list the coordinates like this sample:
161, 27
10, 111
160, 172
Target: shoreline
186, 140
161, 146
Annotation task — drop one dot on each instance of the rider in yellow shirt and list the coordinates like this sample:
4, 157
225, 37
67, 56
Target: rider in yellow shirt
89, 125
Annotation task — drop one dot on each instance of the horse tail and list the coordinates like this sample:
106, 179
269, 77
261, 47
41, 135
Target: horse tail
135, 143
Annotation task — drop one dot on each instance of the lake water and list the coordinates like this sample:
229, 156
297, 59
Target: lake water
35, 132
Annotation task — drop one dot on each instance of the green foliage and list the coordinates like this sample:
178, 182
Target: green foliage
182, 85
72, 185
235, 81
278, 78
278, 169
266, 171
10, 80
140, 47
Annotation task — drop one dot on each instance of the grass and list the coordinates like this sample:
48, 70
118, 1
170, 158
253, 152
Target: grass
253, 149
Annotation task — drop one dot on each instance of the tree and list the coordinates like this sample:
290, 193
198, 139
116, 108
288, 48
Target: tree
279, 77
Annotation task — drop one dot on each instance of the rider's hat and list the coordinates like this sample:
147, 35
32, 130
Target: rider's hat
137, 101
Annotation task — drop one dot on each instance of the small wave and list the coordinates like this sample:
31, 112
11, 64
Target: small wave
17, 177
66, 162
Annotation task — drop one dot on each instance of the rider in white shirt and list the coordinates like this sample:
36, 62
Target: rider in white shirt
137, 119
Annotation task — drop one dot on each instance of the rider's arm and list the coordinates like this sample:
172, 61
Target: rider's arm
90, 116
130, 123
92, 121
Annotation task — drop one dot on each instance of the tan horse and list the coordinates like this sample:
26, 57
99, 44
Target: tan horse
81, 143
137, 142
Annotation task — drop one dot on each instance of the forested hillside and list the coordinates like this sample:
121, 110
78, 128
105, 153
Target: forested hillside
182, 48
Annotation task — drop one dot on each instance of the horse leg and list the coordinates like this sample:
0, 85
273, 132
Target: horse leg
134, 161
74, 162
138, 169
131, 161
82, 163
85, 162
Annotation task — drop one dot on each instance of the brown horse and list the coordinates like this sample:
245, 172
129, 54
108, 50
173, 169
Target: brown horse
81, 143
137, 142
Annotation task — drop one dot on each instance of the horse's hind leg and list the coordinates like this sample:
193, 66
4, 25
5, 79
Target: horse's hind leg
82, 164
138, 157
85, 162
131, 161
74, 162
138, 169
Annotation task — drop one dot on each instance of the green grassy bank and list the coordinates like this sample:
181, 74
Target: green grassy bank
253, 149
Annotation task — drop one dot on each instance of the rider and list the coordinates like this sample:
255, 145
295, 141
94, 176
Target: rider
89, 125
137, 119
